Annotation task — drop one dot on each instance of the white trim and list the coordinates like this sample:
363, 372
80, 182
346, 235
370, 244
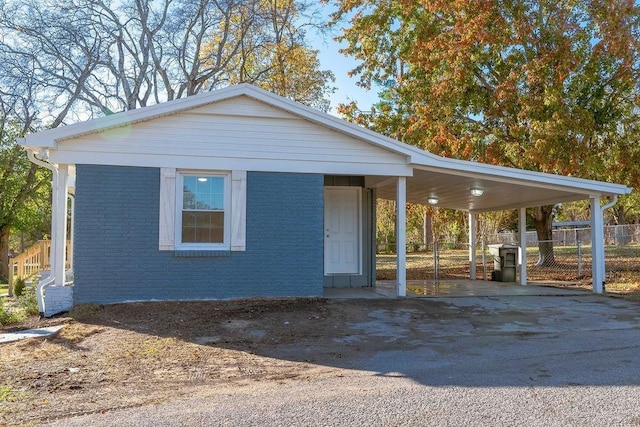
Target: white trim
401, 236
522, 229
235, 211
329, 167
597, 245
59, 240
238, 210
166, 223
472, 245
226, 240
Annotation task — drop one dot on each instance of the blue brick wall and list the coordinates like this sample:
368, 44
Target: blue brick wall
116, 252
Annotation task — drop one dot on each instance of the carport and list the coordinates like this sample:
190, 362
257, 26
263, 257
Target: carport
475, 188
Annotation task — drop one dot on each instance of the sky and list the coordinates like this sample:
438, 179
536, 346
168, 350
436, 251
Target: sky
340, 65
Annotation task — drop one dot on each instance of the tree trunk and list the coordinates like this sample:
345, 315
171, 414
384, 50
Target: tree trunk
543, 220
4, 254
427, 231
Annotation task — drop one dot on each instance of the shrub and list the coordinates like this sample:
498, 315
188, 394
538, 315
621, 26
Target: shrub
28, 301
18, 286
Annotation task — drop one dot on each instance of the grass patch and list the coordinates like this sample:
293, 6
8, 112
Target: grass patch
10, 315
17, 309
82, 311
4, 288
8, 394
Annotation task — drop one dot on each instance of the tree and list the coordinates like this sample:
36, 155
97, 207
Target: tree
24, 188
68, 60
541, 85
275, 56
110, 56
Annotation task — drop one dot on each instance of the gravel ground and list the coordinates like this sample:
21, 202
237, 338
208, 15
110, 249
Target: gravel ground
358, 399
503, 361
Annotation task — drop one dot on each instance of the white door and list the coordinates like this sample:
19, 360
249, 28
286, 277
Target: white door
342, 230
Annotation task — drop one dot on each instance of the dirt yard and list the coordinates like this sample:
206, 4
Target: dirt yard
127, 355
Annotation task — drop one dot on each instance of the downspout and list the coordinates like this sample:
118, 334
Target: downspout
602, 209
49, 281
610, 204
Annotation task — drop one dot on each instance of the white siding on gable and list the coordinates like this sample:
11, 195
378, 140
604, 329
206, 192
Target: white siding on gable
243, 106
231, 133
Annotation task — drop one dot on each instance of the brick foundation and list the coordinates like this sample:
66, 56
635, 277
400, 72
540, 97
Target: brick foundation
57, 299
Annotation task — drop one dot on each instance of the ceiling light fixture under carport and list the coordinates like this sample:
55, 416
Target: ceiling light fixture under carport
477, 191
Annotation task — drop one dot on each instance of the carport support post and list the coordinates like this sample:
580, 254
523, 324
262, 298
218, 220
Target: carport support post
522, 230
472, 245
597, 245
401, 236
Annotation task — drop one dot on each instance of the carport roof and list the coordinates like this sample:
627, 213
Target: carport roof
450, 181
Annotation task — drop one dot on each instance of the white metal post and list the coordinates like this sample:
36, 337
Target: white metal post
59, 239
522, 229
401, 236
72, 211
472, 245
597, 245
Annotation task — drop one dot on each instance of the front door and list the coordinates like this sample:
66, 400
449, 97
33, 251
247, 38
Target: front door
342, 242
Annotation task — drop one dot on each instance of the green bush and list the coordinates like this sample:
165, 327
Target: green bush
28, 301
18, 286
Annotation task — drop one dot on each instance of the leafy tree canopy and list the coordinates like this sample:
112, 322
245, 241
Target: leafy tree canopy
542, 85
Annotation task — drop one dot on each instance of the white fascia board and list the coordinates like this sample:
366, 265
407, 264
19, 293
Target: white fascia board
523, 176
223, 163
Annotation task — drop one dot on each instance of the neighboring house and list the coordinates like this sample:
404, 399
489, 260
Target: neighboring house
241, 193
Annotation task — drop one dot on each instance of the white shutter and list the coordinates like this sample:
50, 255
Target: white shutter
167, 209
238, 210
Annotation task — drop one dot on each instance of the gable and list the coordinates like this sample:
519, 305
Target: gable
234, 133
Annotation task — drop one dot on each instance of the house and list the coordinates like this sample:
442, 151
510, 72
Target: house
240, 193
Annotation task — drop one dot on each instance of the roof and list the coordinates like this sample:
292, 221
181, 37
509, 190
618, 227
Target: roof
449, 180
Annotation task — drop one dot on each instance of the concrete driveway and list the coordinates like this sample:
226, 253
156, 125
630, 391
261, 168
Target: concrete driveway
472, 361
455, 288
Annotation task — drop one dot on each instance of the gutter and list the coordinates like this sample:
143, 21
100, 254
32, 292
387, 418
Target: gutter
49, 281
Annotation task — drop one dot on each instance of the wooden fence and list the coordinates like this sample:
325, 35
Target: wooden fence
32, 261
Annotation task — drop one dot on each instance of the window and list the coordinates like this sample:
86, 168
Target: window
202, 210
202, 220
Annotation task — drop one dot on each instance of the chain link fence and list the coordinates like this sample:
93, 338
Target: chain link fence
565, 258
